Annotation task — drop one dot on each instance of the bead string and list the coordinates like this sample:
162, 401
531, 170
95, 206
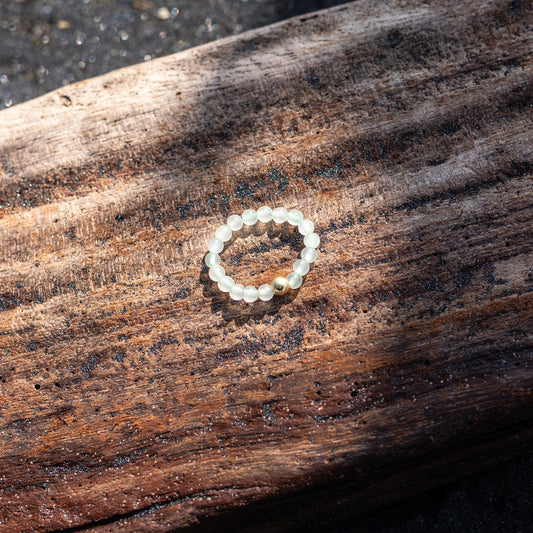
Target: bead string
279, 285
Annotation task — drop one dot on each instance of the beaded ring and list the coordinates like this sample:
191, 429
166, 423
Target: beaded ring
280, 285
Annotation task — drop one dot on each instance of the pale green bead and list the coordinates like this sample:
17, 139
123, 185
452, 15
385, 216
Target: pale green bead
249, 217
295, 280
301, 267
212, 259
216, 273
215, 245
250, 294
236, 292
223, 233
279, 215
265, 293
306, 227
295, 217
264, 214
225, 283
308, 254
312, 240
235, 222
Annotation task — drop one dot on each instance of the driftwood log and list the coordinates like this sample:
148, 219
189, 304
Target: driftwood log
136, 397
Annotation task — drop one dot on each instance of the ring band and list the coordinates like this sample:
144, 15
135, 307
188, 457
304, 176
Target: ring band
280, 285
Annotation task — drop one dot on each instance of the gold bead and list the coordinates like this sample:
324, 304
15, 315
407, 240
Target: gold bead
280, 286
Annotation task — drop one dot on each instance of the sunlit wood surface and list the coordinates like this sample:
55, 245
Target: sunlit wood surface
134, 396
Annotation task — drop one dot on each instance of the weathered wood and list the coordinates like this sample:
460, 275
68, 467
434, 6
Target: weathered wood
134, 397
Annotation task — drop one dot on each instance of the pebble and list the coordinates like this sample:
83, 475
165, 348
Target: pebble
163, 13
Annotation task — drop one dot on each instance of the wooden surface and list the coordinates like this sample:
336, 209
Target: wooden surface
135, 397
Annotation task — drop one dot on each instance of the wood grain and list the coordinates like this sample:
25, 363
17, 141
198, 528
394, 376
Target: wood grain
136, 397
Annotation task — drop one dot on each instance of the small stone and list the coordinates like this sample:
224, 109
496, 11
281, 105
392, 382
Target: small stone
163, 13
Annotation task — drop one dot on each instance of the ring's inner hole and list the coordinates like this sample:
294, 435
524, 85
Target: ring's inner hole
257, 254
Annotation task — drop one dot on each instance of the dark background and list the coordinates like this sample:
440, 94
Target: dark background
47, 44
